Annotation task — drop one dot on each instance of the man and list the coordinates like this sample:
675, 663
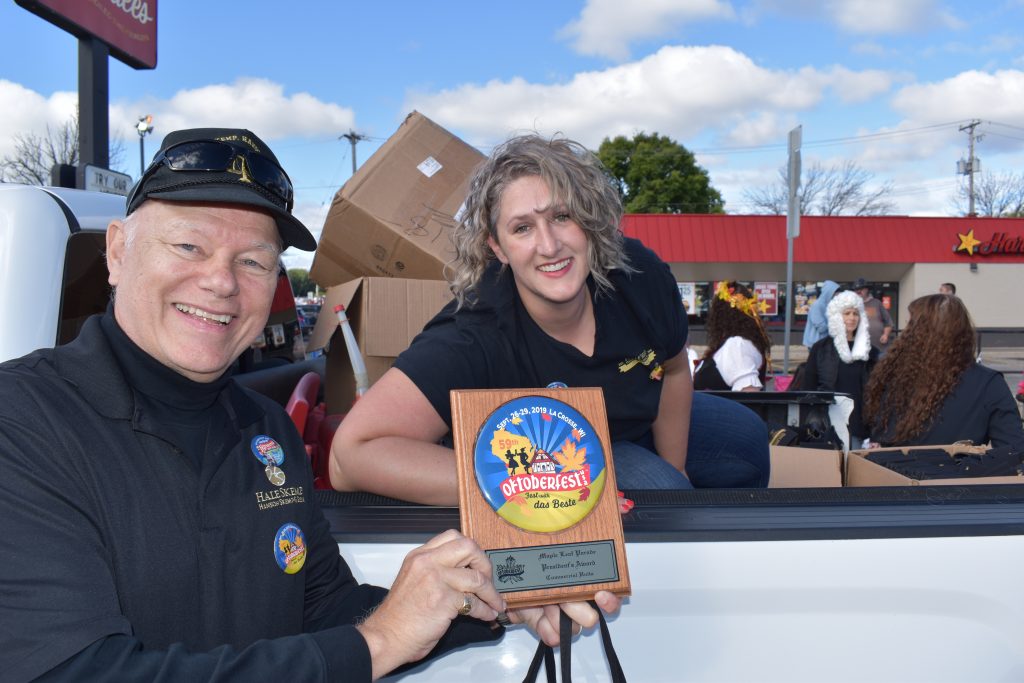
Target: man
136, 470
879, 320
947, 288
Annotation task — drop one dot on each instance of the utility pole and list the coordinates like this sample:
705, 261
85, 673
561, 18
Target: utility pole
353, 138
972, 164
794, 165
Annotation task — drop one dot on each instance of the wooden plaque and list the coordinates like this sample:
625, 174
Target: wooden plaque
537, 492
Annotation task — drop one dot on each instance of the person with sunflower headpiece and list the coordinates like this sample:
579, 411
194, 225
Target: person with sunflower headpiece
738, 355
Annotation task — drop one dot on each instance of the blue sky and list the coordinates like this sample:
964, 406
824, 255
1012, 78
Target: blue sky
883, 83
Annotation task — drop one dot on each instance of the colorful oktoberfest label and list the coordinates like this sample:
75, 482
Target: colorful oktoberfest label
290, 548
539, 464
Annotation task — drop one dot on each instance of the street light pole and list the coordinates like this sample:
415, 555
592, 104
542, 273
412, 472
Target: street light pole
145, 126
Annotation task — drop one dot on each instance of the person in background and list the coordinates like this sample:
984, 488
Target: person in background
738, 355
930, 390
947, 288
843, 361
162, 517
817, 318
548, 292
879, 320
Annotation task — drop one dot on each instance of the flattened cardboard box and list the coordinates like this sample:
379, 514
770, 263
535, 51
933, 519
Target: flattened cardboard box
385, 315
863, 472
395, 215
805, 468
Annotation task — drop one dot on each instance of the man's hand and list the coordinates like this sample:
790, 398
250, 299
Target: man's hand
435, 581
544, 621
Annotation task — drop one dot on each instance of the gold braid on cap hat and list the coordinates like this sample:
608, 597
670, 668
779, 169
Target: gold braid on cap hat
748, 306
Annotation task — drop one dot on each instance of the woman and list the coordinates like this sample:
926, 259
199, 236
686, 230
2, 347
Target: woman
929, 390
843, 360
739, 350
549, 293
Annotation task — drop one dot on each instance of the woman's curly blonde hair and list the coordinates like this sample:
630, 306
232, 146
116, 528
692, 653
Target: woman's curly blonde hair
922, 367
575, 177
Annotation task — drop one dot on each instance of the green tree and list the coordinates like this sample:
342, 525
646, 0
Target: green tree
301, 284
657, 175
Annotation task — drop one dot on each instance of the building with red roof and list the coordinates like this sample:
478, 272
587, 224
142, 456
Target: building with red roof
903, 257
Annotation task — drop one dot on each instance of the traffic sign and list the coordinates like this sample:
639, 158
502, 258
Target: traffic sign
99, 179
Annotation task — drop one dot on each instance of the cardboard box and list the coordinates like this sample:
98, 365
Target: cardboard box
395, 215
863, 472
385, 314
805, 467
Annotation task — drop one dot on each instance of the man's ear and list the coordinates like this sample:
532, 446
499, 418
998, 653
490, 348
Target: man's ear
115, 251
496, 248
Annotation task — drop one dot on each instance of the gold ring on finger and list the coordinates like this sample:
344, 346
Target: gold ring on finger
467, 605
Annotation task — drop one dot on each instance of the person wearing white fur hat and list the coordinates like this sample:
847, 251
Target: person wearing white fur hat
843, 360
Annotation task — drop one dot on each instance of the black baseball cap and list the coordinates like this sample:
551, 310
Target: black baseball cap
252, 177
861, 283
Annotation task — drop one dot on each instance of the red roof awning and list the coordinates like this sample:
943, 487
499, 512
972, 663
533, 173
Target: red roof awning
709, 238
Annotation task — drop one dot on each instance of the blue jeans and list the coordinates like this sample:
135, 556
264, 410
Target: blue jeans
728, 448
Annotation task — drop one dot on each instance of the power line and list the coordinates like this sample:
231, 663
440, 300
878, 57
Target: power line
1007, 125
825, 142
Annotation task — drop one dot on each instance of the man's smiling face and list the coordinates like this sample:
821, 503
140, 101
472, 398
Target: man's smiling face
194, 281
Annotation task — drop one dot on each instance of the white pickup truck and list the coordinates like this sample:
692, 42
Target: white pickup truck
906, 583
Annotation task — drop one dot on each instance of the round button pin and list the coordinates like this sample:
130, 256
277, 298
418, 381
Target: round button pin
275, 475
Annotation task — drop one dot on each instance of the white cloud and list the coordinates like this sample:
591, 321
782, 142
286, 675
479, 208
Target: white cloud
870, 17
678, 91
873, 49
889, 16
605, 28
757, 128
254, 103
853, 87
998, 96
257, 104
25, 112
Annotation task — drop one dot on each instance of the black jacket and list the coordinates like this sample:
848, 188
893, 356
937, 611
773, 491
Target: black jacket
980, 408
125, 557
825, 371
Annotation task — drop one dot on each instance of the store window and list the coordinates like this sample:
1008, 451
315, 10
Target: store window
697, 295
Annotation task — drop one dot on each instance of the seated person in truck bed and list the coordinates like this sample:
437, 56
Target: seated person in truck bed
549, 293
738, 356
161, 519
843, 360
929, 389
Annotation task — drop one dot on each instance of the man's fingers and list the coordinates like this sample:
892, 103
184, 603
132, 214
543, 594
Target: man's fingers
608, 601
581, 613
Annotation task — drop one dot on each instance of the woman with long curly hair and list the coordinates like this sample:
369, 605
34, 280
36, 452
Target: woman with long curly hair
929, 390
738, 351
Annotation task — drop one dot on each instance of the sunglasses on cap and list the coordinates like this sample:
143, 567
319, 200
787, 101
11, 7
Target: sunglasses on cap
222, 157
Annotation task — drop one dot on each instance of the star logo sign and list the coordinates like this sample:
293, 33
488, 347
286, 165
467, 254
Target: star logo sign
968, 243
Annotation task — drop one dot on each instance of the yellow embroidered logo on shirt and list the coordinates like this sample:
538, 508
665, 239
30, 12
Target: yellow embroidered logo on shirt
645, 358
